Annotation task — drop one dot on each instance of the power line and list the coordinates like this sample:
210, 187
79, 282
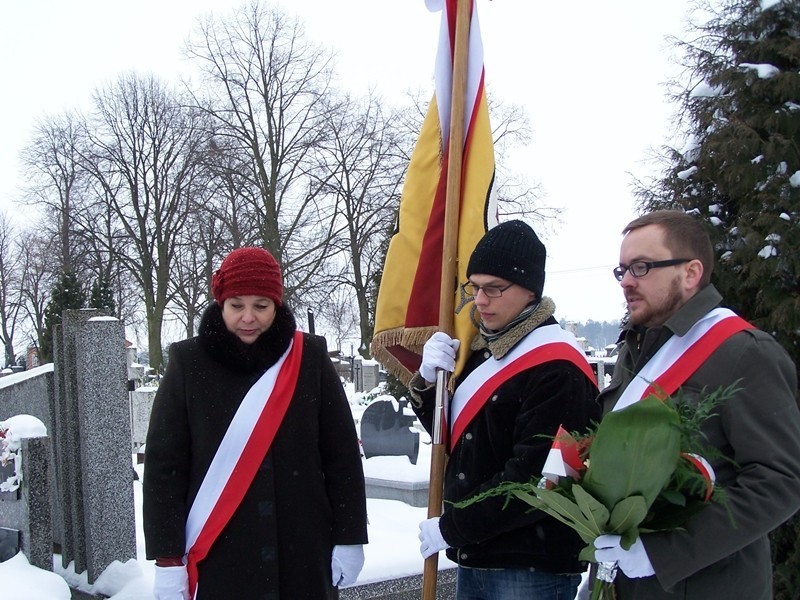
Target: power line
582, 269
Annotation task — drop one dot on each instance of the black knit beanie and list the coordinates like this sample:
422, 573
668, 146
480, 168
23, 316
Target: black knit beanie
511, 251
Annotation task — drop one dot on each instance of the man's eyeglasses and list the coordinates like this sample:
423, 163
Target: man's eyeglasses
490, 291
640, 268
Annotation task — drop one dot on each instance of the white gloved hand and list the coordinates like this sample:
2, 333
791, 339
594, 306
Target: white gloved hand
346, 564
431, 537
634, 562
171, 583
439, 352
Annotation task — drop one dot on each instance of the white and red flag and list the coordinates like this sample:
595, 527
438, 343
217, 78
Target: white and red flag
408, 307
564, 458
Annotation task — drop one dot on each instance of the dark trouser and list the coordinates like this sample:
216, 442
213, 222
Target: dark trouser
515, 584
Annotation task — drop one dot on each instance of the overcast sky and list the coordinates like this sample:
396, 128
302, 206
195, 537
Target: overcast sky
590, 76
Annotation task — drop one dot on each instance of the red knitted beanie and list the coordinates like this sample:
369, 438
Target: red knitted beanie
248, 272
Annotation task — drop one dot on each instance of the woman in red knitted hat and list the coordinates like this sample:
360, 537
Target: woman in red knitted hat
253, 485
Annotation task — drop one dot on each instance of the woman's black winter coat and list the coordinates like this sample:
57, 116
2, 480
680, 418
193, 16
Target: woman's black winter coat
307, 496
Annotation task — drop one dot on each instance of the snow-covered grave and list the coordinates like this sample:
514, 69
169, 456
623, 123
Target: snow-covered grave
93, 543
393, 563
82, 402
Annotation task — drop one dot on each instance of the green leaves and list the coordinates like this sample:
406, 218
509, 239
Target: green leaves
596, 514
627, 514
633, 456
586, 515
554, 503
635, 480
634, 452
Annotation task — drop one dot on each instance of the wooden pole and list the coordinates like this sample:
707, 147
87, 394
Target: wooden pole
448, 282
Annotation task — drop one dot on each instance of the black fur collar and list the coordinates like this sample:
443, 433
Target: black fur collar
226, 348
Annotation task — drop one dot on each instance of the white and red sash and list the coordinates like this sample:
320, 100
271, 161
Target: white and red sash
241, 452
541, 345
681, 356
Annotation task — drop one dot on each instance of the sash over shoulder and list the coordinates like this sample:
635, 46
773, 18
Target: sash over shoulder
241, 452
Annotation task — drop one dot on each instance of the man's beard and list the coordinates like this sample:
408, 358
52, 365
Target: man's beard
656, 315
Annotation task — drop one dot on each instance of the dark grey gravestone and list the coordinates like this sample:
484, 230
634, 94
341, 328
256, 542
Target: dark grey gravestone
67, 439
9, 543
7, 471
104, 423
36, 495
358, 379
141, 405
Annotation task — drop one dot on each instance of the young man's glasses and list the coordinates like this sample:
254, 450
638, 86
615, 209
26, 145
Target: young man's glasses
490, 291
640, 268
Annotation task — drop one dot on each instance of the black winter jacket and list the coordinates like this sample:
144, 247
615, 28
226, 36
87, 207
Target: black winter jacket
308, 494
507, 441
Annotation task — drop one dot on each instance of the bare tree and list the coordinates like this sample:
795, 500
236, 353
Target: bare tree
338, 314
144, 152
231, 199
82, 232
266, 85
517, 196
11, 296
198, 251
54, 178
101, 232
362, 165
37, 277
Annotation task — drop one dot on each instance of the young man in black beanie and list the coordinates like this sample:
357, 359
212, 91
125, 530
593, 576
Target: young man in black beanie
525, 376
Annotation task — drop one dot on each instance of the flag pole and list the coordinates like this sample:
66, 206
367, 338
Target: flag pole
449, 277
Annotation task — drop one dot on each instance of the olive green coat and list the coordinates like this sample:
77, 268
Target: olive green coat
725, 554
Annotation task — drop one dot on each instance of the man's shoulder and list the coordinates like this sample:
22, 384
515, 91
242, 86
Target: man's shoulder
748, 355
755, 343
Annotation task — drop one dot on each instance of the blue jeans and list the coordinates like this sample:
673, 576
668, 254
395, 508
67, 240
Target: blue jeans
514, 584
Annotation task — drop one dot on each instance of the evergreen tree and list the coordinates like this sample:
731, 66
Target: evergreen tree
102, 295
740, 173
66, 294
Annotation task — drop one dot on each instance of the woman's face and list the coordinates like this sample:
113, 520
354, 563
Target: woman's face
248, 317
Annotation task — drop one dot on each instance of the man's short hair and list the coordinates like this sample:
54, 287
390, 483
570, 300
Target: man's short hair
684, 236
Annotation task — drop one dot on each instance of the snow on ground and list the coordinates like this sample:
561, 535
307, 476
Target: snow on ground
393, 549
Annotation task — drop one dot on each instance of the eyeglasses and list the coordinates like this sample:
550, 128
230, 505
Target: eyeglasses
640, 268
490, 291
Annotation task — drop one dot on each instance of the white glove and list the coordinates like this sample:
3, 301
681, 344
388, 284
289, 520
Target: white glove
346, 564
431, 537
633, 562
439, 352
171, 583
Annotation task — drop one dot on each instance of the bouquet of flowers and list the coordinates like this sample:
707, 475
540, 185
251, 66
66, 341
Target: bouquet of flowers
640, 470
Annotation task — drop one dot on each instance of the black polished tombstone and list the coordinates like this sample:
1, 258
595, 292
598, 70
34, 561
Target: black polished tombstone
9, 543
7, 471
386, 431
